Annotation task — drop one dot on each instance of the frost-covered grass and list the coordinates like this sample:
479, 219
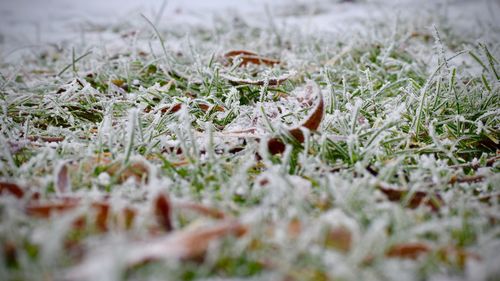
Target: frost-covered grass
411, 111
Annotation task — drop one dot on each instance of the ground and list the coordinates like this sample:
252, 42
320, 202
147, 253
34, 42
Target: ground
249, 140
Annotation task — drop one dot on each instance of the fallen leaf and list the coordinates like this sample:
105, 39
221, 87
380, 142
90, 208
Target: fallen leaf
46, 138
434, 201
62, 179
201, 209
235, 53
408, 250
248, 57
136, 169
162, 211
12, 189
466, 179
101, 209
311, 123
206, 107
275, 146
171, 109
456, 255
414, 250
339, 238
186, 244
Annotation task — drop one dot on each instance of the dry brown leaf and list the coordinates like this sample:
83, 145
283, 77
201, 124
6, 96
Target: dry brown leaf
487, 198
457, 255
171, 109
450, 254
46, 138
136, 169
408, 250
206, 107
62, 180
235, 53
466, 179
11, 188
339, 238
101, 208
434, 201
311, 123
45, 209
275, 146
201, 209
248, 57
179, 245
162, 209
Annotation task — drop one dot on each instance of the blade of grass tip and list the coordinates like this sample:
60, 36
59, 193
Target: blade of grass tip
162, 42
423, 91
486, 84
333, 96
263, 90
457, 102
139, 125
440, 47
354, 118
160, 12
26, 128
437, 96
491, 60
416, 120
73, 62
8, 79
210, 146
73, 59
476, 58
131, 133
8, 155
268, 122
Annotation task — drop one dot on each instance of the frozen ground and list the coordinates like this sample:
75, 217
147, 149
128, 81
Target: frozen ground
358, 140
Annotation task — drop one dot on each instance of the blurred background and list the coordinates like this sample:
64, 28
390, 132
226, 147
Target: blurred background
26, 24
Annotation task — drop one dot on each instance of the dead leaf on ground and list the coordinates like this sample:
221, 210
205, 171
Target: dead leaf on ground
414, 250
138, 170
457, 255
408, 250
248, 57
62, 179
46, 138
101, 215
201, 209
433, 200
12, 189
339, 238
311, 123
186, 244
162, 209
